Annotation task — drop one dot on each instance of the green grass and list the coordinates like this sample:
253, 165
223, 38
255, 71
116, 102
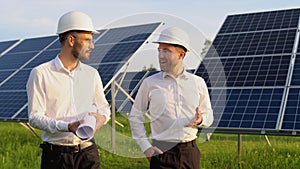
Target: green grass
19, 149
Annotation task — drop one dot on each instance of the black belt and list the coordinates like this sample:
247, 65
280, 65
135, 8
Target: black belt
164, 145
66, 149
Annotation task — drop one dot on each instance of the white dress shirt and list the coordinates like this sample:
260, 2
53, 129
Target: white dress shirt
172, 104
57, 97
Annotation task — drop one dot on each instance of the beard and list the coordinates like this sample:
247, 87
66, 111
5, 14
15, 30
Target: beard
79, 53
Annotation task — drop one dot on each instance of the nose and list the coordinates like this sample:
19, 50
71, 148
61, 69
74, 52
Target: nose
91, 44
160, 54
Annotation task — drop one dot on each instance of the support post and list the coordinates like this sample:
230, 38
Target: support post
113, 115
268, 141
239, 146
27, 126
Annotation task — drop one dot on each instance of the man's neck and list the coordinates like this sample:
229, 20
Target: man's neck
176, 71
69, 62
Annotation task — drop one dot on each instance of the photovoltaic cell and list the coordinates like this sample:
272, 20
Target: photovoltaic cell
43, 57
296, 72
109, 53
34, 44
246, 71
17, 81
127, 34
282, 19
253, 43
12, 61
5, 45
4, 74
291, 118
107, 71
11, 102
247, 108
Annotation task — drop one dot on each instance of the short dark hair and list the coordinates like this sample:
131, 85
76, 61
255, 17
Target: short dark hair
179, 46
63, 36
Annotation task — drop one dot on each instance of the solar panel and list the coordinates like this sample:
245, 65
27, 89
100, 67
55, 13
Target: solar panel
113, 49
5, 45
15, 67
249, 108
253, 43
291, 118
116, 46
130, 83
248, 71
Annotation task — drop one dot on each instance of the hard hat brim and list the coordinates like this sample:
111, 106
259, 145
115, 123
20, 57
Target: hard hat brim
168, 42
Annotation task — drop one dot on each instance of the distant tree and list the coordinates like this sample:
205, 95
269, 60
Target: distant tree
151, 68
207, 44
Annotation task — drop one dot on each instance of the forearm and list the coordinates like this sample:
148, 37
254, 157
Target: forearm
40, 121
138, 131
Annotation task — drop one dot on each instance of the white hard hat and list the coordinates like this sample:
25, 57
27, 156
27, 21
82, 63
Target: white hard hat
75, 21
174, 35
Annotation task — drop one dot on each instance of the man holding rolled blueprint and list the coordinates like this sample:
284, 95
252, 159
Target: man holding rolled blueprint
66, 98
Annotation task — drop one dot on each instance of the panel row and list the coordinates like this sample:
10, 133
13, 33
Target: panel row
282, 19
253, 43
245, 71
246, 108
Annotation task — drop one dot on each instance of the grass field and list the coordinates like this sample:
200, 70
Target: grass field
19, 149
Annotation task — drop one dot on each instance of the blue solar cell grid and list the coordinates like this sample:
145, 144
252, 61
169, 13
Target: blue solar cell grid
253, 43
246, 70
128, 34
5, 45
281, 19
34, 44
296, 72
291, 118
12, 61
11, 102
246, 108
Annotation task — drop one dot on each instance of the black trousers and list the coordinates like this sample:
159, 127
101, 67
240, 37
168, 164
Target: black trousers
176, 156
65, 158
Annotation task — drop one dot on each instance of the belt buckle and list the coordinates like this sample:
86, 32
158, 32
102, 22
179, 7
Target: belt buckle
85, 145
76, 149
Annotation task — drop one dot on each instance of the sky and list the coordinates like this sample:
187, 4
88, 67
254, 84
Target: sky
22, 19
36, 18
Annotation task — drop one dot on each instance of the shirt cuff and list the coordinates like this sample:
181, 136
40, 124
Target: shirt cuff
107, 118
202, 124
144, 145
62, 126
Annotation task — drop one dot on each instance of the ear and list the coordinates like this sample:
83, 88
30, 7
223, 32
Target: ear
71, 40
182, 55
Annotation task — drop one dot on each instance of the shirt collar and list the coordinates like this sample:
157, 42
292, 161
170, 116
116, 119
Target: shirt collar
59, 66
183, 75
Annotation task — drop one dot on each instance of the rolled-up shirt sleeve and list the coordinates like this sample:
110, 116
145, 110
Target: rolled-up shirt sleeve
37, 106
137, 118
100, 101
205, 106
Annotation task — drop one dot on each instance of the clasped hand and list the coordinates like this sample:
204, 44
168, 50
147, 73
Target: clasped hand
197, 120
100, 119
